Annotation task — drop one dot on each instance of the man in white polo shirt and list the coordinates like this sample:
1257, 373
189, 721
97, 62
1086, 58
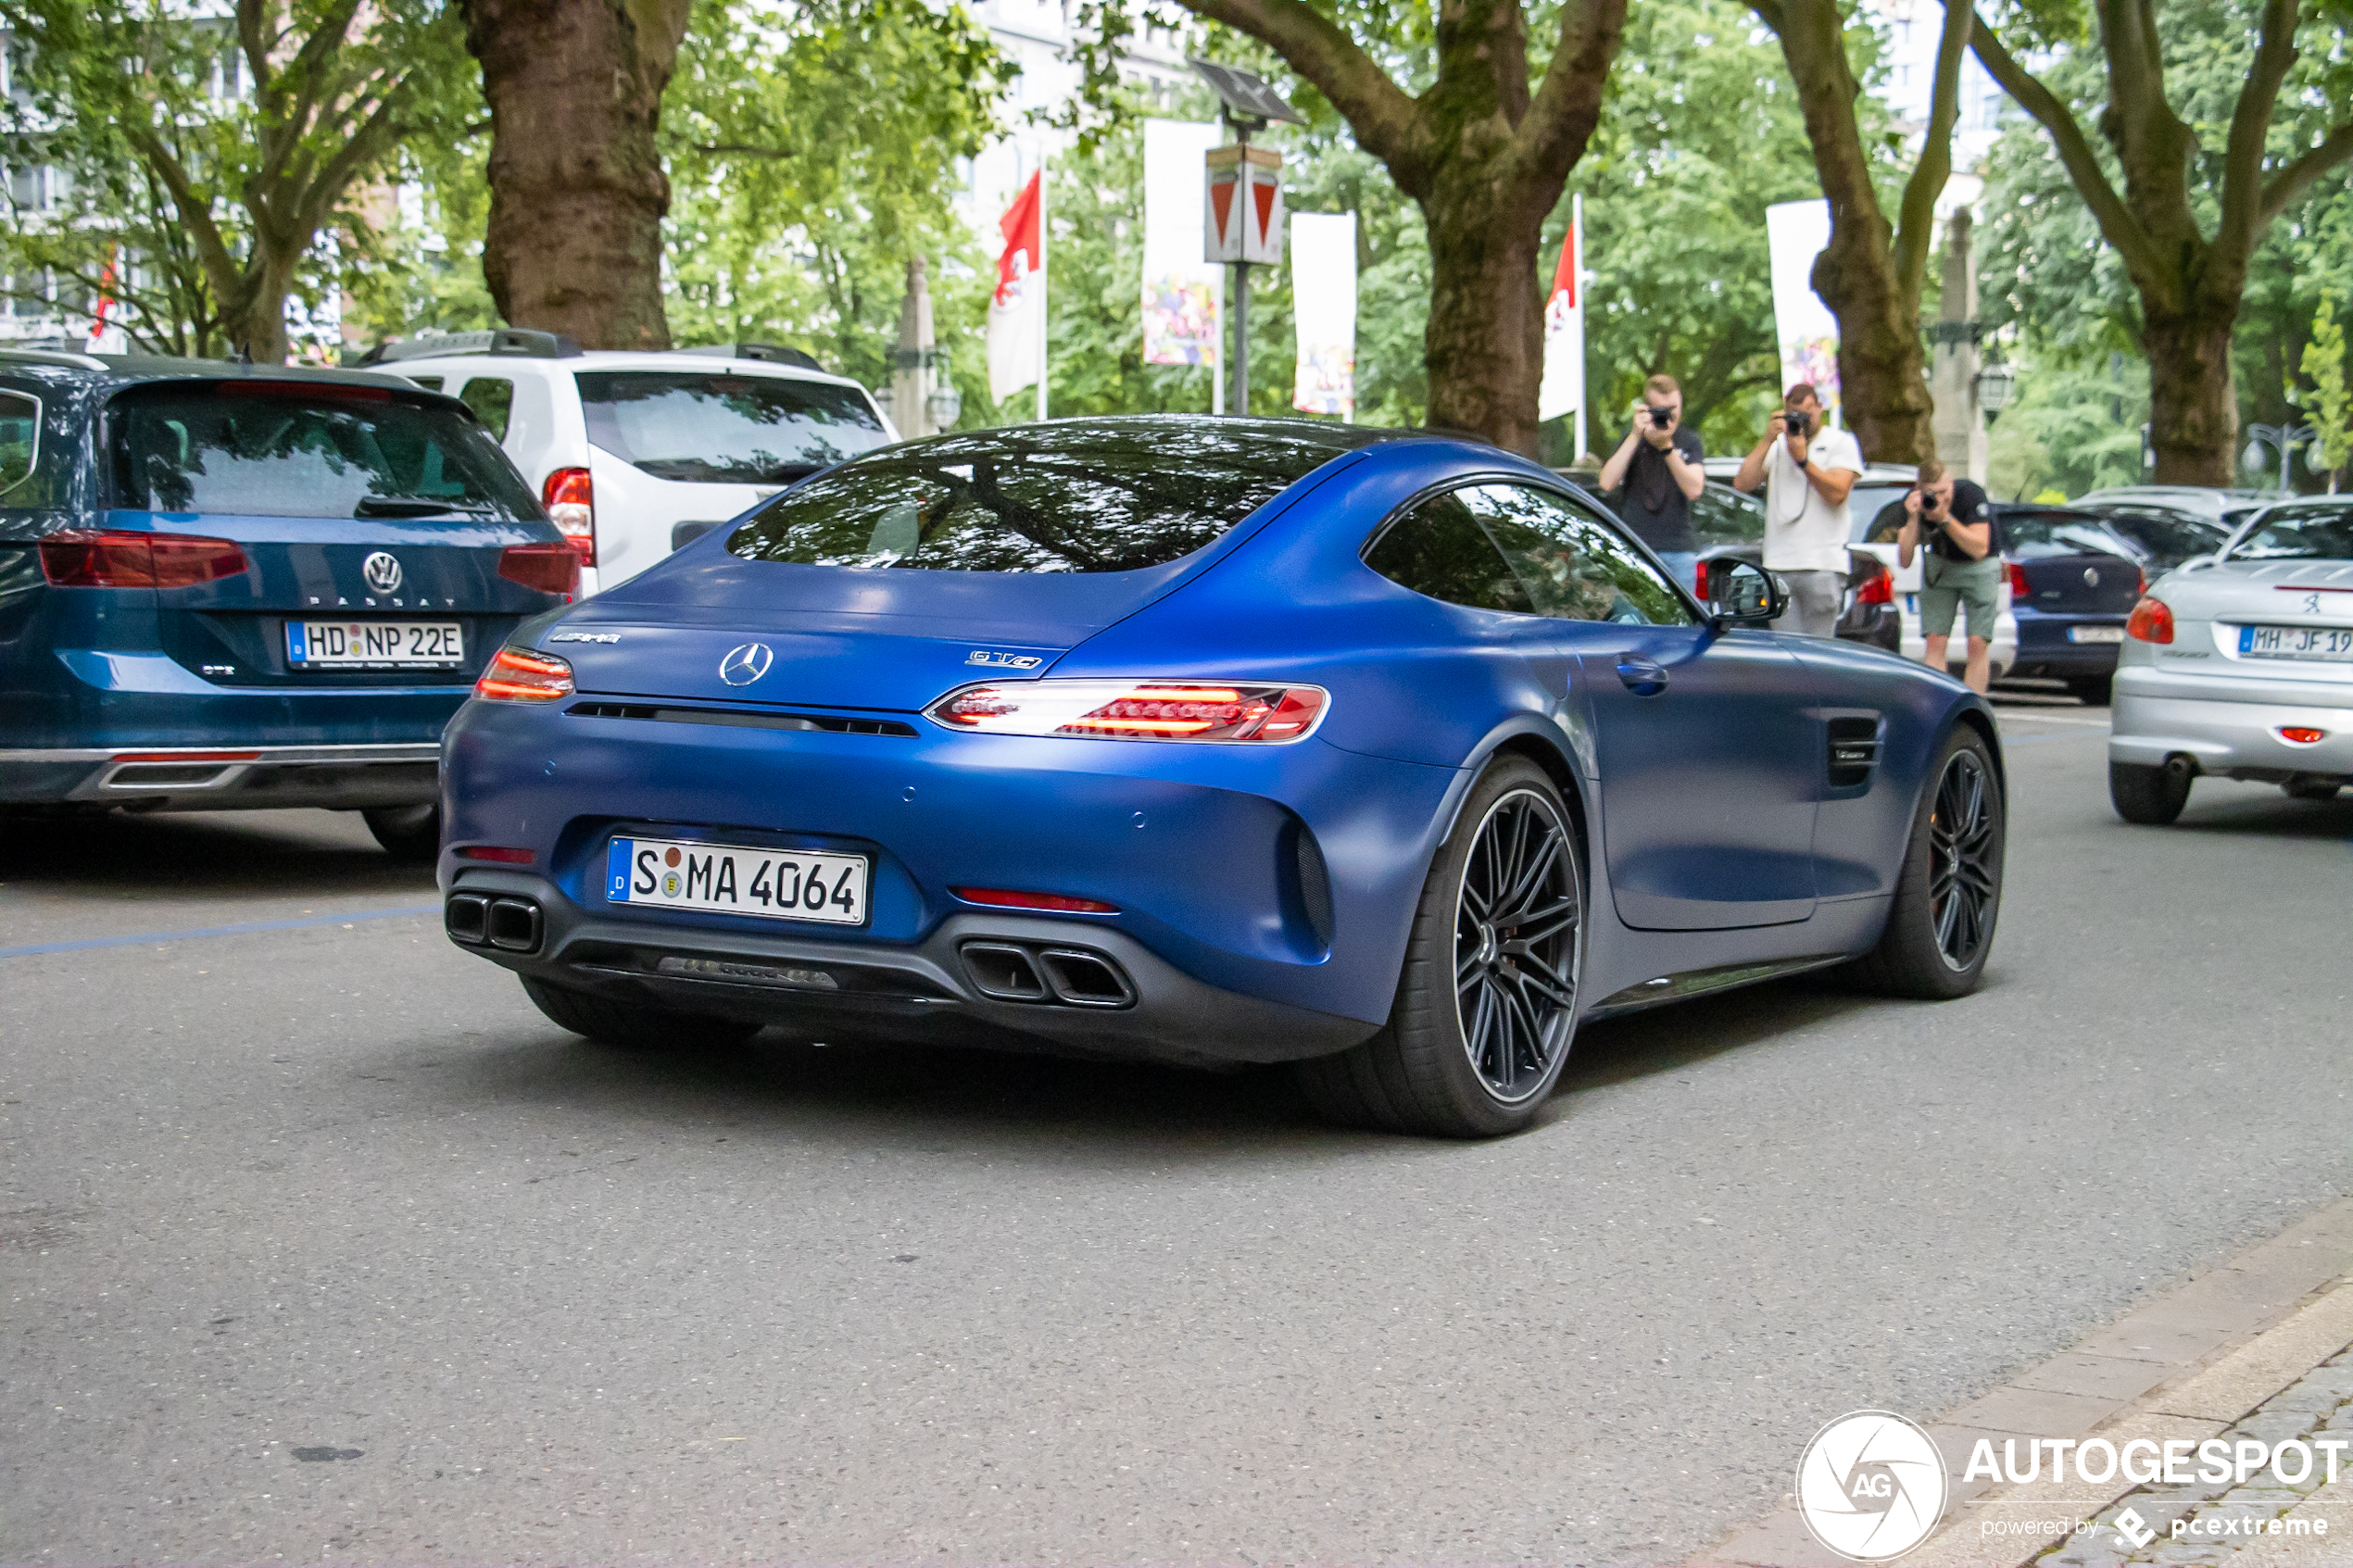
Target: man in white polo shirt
1808, 467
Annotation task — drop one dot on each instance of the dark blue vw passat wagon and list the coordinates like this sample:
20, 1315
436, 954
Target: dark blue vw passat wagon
226, 585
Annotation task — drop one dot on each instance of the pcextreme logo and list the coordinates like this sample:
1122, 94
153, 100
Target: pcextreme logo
1872, 1486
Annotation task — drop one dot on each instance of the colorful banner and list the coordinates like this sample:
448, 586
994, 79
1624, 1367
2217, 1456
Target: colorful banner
1323, 292
1563, 389
1796, 233
1017, 311
1180, 289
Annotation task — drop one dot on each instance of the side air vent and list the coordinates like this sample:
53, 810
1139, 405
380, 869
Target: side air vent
1853, 744
1314, 882
737, 718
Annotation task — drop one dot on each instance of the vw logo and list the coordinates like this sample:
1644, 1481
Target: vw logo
381, 572
2091, 577
746, 664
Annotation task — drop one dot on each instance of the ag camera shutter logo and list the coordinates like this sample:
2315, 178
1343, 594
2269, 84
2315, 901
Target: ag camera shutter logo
1872, 1486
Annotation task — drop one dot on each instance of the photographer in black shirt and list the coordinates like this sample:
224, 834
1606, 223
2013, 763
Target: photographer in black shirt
1949, 519
1658, 467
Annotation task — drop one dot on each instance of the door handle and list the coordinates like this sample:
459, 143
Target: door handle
1644, 677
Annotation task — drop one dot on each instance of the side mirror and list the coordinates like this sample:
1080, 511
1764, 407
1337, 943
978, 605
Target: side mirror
1741, 594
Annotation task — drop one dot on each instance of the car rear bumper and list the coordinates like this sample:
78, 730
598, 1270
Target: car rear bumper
984, 978
219, 778
2046, 646
2231, 726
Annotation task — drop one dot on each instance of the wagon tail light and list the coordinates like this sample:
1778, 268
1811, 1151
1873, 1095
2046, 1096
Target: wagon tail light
1181, 711
2018, 589
571, 501
519, 675
81, 557
1879, 590
2151, 622
551, 568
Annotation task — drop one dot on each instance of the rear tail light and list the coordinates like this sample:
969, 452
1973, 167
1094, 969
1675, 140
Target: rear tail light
2303, 737
2151, 622
81, 558
1190, 711
519, 675
1879, 590
2018, 581
1699, 580
550, 569
571, 501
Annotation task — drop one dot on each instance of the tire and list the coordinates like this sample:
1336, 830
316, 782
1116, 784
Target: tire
2152, 796
2311, 789
2092, 691
1436, 1069
625, 1023
1939, 924
410, 835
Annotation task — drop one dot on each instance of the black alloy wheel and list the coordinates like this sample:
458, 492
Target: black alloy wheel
1487, 1001
1964, 860
1948, 890
1515, 945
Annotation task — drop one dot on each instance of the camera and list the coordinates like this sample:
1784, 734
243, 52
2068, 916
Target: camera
1659, 418
1799, 422
1931, 503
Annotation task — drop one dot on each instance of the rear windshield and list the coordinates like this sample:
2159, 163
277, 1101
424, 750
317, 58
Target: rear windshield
2316, 531
710, 429
296, 450
1108, 496
2034, 535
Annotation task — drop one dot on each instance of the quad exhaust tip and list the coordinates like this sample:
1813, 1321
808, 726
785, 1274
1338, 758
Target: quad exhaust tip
513, 925
1078, 977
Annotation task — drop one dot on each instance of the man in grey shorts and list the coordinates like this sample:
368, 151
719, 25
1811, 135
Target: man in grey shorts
1808, 467
1950, 519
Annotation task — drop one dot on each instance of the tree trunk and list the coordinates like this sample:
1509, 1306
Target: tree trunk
577, 192
254, 317
1484, 344
1881, 371
2194, 417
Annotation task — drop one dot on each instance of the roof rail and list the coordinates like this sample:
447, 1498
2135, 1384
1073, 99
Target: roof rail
527, 341
767, 353
56, 356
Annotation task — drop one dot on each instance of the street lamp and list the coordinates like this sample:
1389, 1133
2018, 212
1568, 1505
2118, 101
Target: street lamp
944, 406
2285, 438
1993, 388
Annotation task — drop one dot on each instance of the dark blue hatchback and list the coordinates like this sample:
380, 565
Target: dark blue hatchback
230, 587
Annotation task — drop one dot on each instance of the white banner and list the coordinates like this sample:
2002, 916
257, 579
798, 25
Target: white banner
1017, 311
1807, 333
1180, 289
1323, 292
1563, 389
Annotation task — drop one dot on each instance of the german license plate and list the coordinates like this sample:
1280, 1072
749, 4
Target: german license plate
356, 644
2332, 643
2096, 633
732, 879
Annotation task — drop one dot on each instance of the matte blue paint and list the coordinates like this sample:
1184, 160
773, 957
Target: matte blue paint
1714, 838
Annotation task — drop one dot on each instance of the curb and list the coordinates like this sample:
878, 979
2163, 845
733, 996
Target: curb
2187, 1364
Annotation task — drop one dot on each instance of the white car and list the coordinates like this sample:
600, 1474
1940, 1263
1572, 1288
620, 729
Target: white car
634, 454
2241, 664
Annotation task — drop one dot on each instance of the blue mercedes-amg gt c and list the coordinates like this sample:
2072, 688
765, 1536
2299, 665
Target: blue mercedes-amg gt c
1209, 741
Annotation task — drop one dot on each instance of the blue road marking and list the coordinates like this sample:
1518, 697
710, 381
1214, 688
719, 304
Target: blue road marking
151, 937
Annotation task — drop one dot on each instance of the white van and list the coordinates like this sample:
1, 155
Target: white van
634, 454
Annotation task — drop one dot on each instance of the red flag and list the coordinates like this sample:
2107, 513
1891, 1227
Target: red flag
1024, 243
1565, 275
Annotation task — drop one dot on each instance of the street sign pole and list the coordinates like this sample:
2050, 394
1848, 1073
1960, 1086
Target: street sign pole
1239, 399
1245, 103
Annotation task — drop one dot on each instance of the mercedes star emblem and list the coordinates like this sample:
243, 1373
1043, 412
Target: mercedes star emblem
381, 572
2091, 577
746, 664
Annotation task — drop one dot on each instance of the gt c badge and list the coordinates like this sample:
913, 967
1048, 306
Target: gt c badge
1003, 660
746, 664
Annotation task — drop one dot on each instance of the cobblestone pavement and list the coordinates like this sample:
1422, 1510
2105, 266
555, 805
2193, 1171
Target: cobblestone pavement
2319, 1405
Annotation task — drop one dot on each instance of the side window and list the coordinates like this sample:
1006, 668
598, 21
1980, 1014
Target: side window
1574, 566
1887, 525
431, 383
1440, 549
492, 400
19, 442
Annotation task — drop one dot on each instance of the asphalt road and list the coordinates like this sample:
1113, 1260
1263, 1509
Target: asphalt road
317, 1244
